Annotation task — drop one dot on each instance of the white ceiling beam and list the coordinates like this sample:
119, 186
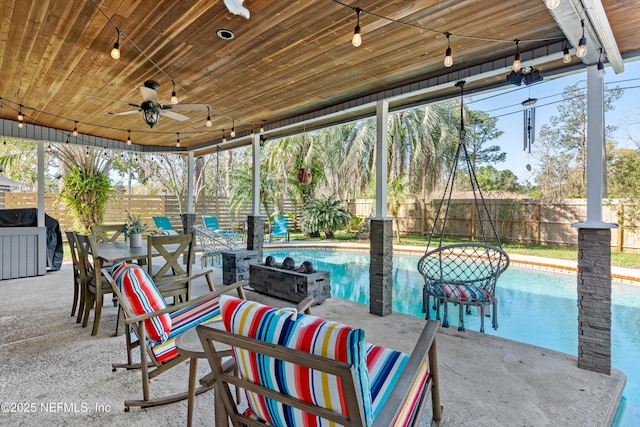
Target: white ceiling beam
597, 31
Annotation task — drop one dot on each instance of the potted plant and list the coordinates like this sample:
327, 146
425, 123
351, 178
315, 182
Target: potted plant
133, 229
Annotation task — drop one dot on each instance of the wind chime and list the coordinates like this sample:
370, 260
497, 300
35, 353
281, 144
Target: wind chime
529, 122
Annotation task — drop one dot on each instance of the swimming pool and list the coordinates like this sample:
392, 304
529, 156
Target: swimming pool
536, 307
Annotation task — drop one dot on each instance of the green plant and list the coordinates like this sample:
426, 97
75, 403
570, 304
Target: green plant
134, 225
324, 215
85, 194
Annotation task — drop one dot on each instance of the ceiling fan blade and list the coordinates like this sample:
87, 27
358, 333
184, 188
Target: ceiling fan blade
190, 107
149, 94
174, 116
124, 113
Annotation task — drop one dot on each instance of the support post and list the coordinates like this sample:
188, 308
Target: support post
255, 221
381, 236
255, 234
190, 169
594, 245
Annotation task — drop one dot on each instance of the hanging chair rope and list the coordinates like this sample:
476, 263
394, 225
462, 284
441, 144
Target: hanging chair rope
465, 273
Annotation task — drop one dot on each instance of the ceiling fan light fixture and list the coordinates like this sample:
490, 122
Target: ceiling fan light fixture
151, 116
115, 52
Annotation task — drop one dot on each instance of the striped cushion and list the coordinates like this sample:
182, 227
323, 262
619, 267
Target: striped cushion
307, 333
463, 292
183, 320
143, 296
385, 367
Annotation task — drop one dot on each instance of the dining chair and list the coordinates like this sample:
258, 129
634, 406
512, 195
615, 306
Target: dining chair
78, 294
165, 254
107, 233
94, 292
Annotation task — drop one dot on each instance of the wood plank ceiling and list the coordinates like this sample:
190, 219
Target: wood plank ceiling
291, 58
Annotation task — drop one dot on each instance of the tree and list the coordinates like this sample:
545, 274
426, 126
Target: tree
624, 183
562, 159
480, 128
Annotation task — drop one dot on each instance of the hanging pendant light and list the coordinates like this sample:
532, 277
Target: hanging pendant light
356, 40
448, 58
566, 57
582, 44
174, 98
516, 60
115, 52
600, 65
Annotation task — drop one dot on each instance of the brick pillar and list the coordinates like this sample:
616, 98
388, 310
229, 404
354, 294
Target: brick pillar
594, 299
381, 267
255, 234
188, 221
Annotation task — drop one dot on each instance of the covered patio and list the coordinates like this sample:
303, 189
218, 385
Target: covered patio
291, 67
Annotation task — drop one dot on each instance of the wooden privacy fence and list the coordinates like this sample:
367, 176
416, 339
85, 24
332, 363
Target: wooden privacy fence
523, 220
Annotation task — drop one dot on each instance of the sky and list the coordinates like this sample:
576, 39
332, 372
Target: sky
506, 106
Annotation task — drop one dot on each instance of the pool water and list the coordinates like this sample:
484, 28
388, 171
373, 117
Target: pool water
534, 306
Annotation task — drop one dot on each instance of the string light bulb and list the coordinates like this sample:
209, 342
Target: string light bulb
600, 65
356, 40
448, 58
129, 137
552, 4
566, 57
178, 140
174, 97
20, 115
224, 138
115, 52
232, 134
582, 44
516, 60
262, 127
20, 124
75, 129
208, 117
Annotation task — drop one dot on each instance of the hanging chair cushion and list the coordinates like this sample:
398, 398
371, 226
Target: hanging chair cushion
461, 292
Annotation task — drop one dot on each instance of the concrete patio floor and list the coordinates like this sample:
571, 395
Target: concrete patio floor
53, 372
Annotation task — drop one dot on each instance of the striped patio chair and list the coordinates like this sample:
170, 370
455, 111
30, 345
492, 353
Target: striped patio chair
301, 370
154, 327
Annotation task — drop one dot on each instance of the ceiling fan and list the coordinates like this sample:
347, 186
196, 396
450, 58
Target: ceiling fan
151, 109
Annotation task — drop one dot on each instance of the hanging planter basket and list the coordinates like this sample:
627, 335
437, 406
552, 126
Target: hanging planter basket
304, 176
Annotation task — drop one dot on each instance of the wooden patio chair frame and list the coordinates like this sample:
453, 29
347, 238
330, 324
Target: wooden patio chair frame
93, 293
425, 347
135, 328
78, 292
171, 249
107, 233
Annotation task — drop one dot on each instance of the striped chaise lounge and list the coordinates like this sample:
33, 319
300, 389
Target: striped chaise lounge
301, 370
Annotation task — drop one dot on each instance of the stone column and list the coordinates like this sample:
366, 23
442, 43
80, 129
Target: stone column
381, 267
255, 234
594, 299
188, 222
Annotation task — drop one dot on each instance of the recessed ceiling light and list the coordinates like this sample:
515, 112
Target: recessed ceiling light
225, 34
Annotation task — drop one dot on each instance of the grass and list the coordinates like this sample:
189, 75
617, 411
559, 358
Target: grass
620, 259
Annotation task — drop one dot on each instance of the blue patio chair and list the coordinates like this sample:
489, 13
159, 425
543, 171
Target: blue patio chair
279, 227
163, 223
211, 222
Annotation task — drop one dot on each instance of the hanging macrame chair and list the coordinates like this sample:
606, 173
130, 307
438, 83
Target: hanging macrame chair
464, 274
